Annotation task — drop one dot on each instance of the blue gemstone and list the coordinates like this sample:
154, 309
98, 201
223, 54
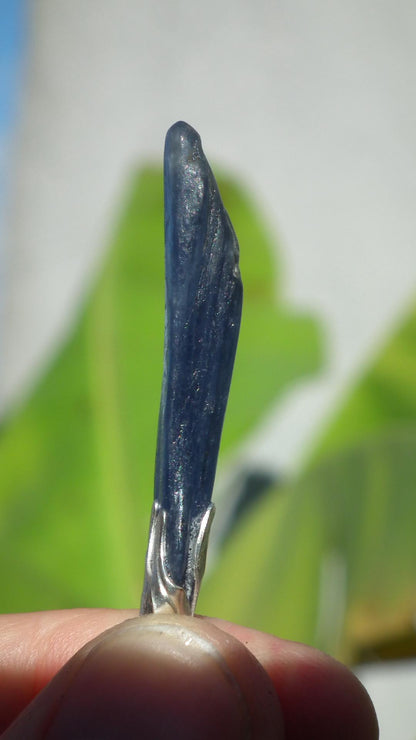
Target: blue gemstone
203, 311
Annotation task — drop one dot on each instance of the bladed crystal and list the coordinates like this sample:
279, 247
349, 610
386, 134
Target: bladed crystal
202, 321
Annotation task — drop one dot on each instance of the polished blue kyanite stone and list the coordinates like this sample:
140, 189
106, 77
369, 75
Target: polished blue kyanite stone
203, 310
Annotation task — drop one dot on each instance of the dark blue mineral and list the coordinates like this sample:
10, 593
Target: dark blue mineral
203, 310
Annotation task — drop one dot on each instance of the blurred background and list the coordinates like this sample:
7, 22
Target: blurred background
307, 115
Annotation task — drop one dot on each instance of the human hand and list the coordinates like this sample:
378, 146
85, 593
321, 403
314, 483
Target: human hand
177, 677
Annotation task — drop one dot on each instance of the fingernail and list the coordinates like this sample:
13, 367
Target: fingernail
166, 678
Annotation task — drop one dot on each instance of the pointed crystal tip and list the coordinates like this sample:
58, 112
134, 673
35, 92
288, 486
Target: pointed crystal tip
184, 158
181, 140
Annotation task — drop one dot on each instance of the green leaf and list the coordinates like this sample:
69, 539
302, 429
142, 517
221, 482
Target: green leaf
384, 398
77, 456
330, 559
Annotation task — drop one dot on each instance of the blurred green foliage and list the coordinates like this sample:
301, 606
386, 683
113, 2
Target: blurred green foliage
328, 558
384, 398
77, 456
333, 553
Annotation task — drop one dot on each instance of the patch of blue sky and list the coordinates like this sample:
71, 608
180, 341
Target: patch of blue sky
13, 27
13, 14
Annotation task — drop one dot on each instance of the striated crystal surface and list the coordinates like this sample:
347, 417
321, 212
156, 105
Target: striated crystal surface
203, 310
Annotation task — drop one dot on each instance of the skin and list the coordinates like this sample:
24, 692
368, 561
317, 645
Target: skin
106, 673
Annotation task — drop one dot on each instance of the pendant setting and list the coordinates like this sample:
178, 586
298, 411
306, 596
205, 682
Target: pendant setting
202, 322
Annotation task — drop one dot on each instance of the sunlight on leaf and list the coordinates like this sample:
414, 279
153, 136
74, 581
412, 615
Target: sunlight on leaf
329, 559
384, 398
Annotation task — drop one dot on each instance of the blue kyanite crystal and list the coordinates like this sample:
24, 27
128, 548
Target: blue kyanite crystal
203, 310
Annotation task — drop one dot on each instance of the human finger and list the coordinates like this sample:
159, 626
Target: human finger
154, 677
317, 694
34, 646
320, 697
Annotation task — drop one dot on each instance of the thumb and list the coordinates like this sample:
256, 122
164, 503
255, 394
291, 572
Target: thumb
156, 677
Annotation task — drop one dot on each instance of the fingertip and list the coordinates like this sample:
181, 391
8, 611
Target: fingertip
319, 697
160, 677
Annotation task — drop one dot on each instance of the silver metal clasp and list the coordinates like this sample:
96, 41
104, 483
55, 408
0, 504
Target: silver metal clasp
160, 593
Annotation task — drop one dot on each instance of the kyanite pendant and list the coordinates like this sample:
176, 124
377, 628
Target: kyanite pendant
203, 310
